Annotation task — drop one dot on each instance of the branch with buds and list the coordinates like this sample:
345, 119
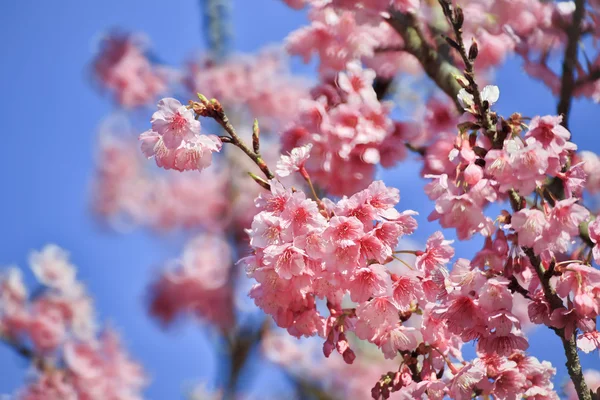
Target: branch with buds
213, 109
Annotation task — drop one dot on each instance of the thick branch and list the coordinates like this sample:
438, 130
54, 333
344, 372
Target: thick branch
567, 84
569, 343
439, 69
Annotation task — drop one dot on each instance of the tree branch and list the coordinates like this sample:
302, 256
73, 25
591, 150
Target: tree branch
439, 69
567, 84
569, 343
592, 76
41, 363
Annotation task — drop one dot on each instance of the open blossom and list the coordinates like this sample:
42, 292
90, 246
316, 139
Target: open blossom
175, 140
52, 267
174, 122
294, 162
350, 131
489, 93
529, 224
437, 253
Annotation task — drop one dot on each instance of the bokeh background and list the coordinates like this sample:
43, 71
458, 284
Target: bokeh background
50, 115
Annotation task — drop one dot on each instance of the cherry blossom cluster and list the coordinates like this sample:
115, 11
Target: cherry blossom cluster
258, 85
347, 30
350, 132
339, 36
197, 283
56, 329
175, 140
304, 250
122, 67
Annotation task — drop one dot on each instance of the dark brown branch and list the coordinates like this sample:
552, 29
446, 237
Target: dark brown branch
439, 69
569, 343
40, 363
514, 286
455, 18
592, 76
567, 84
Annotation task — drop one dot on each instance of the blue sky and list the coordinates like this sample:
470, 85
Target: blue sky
51, 113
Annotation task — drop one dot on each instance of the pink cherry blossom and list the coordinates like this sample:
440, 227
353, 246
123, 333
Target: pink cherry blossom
437, 254
294, 162
52, 267
174, 122
122, 67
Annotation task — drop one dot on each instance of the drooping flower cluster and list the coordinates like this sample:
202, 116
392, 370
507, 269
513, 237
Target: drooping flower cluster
175, 141
304, 250
73, 360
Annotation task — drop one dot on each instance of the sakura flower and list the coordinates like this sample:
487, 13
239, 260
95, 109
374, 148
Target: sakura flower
375, 316
529, 224
398, 338
367, 282
550, 134
196, 153
343, 231
174, 122
436, 255
358, 82
462, 385
589, 341
287, 260
51, 266
175, 141
294, 162
406, 289
489, 93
